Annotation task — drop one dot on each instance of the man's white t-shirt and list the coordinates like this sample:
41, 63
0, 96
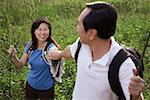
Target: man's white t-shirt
92, 77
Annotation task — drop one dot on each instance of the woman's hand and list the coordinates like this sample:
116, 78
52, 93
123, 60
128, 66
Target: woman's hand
12, 51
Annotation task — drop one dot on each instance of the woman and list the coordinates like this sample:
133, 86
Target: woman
40, 83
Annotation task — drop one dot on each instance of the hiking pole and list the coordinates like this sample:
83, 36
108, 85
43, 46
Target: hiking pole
145, 46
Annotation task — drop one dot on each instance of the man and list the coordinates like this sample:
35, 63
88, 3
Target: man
96, 26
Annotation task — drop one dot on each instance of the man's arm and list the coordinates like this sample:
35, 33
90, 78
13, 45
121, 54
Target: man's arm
66, 52
57, 54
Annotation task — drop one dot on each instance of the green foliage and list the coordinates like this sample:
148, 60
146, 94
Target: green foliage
16, 17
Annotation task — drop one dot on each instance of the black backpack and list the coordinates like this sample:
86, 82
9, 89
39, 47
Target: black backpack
114, 67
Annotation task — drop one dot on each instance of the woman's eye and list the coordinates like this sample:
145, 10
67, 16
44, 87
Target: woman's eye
42, 29
46, 29
39, 29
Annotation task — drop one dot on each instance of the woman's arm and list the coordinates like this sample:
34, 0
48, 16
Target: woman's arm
18, 62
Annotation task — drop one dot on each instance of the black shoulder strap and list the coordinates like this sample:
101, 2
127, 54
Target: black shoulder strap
77, 51
45, 49
113, 73
30, 47
54, 62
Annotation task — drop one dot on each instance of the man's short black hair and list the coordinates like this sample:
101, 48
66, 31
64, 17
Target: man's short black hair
103, 17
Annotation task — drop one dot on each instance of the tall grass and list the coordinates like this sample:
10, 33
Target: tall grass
16, 17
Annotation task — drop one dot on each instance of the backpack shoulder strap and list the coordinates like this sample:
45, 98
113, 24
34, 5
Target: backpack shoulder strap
46, 46
56, 66
77, 51
113, 73
44, 52
54, 62
28, 46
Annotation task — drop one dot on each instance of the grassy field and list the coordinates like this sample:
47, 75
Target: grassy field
16, 17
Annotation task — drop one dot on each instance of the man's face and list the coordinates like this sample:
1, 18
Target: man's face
80, 28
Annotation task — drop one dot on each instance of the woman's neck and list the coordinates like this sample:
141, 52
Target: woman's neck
41, 44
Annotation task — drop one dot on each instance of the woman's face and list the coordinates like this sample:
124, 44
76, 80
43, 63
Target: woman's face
42, 32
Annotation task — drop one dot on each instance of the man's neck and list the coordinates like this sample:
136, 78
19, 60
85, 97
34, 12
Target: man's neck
99, 48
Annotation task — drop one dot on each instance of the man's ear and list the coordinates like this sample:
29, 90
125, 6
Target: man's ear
92, 34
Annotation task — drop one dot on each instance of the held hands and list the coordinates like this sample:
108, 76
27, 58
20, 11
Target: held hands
12, 51
54, 54
136, 85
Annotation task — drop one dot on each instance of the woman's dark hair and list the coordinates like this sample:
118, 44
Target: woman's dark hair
35, 25
103, 17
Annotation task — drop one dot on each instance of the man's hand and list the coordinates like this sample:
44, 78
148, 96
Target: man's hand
136, 85
54, 54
